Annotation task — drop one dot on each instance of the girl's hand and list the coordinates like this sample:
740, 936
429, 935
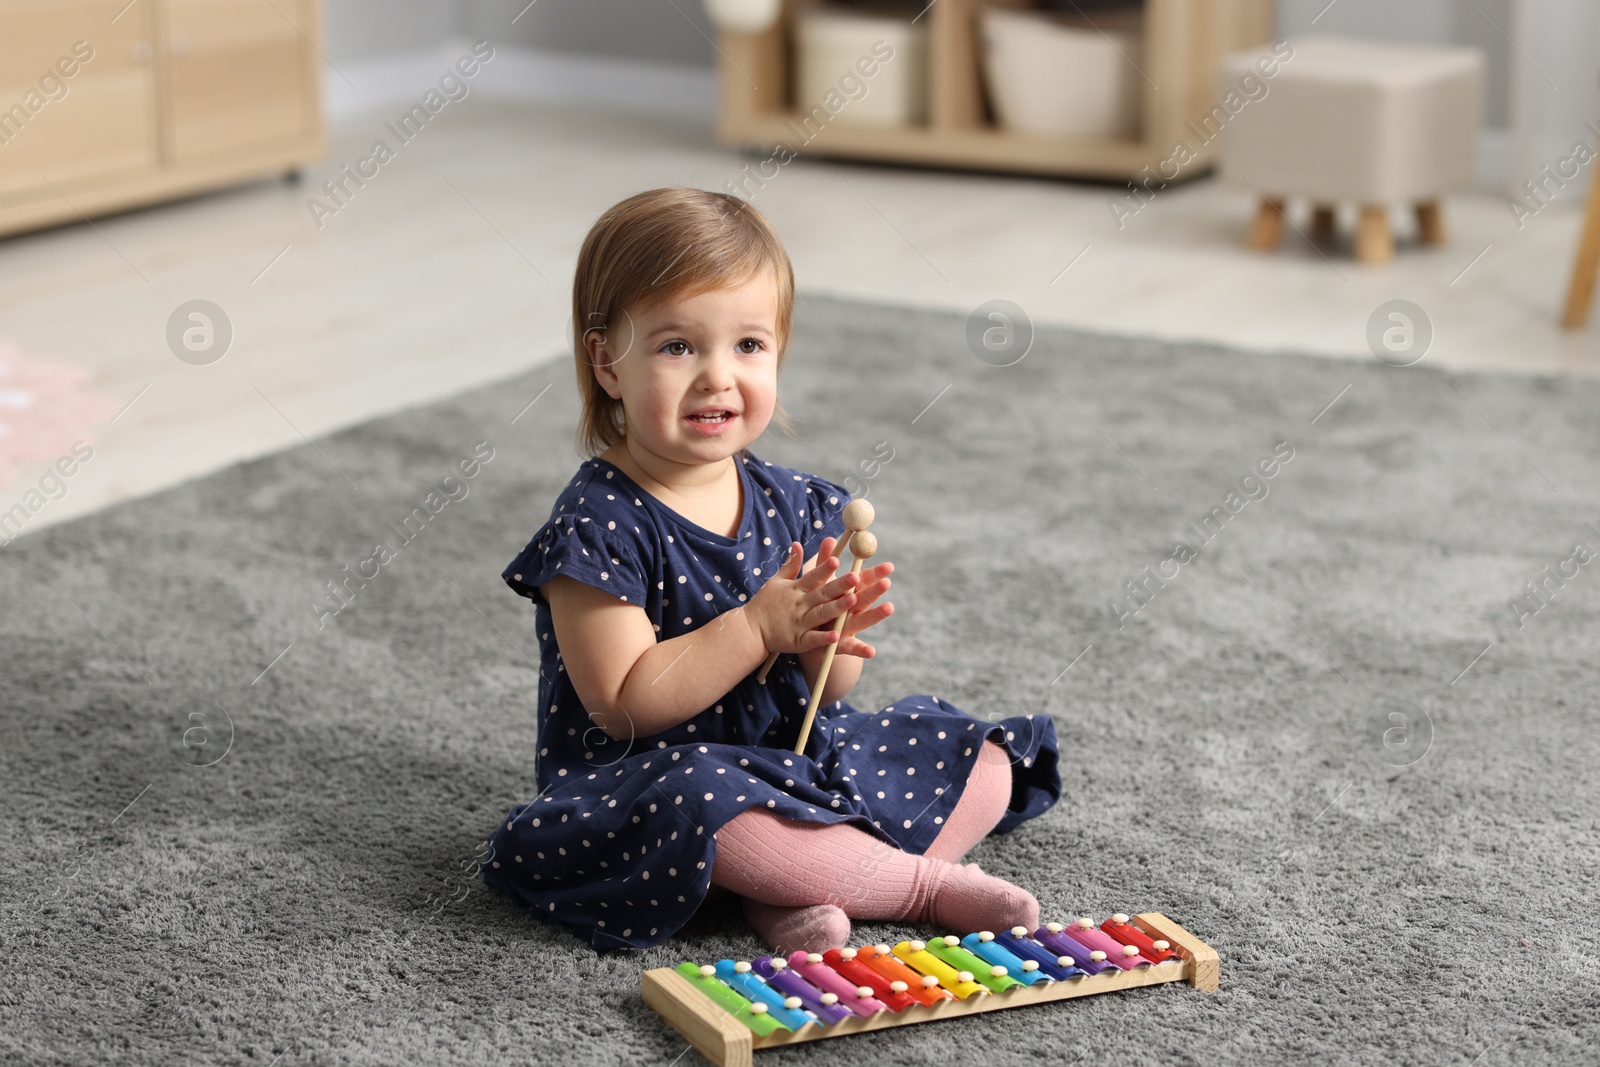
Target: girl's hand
874, 583
794, 612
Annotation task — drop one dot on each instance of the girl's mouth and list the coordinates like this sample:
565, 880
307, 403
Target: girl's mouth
712, 422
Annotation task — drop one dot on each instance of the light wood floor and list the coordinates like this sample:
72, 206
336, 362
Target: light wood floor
452, 268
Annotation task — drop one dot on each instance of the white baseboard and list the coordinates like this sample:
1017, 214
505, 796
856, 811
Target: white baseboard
525, 74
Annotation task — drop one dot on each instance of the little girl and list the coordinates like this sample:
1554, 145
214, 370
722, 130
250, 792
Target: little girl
674, 561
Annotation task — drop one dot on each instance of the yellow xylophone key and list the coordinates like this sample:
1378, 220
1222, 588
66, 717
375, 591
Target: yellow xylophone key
916, 955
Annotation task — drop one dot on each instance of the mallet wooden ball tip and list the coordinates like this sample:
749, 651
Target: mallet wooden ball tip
858, 515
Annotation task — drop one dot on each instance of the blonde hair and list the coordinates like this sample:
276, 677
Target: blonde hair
662, 245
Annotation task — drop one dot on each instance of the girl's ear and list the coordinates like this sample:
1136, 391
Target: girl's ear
602, 361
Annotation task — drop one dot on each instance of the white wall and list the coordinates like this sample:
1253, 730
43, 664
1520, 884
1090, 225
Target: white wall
358, 29
1554, 95
678, 31
1485, 24
669, 31
1558, 41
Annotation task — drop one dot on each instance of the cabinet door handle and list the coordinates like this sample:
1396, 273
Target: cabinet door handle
181, 46
141, 52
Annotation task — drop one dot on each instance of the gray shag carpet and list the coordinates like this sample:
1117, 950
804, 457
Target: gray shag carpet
239, 827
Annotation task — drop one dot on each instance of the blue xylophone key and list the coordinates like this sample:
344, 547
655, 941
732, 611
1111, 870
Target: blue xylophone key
781, 976
1019, 943
984, 946
785, 1011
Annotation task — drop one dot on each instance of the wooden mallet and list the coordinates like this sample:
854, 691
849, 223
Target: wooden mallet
858, 515
862, 546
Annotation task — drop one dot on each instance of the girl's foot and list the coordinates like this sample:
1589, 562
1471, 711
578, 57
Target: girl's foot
816, 928
966, 900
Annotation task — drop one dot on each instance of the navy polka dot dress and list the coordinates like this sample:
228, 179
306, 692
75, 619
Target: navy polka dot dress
617, 846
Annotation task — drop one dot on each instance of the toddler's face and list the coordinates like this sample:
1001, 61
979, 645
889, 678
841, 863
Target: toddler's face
716, 351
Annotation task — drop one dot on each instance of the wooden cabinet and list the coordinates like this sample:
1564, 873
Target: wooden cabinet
73, 109
1183, 43
107, 104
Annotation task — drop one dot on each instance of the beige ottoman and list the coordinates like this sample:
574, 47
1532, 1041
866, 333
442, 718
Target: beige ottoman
1354, 121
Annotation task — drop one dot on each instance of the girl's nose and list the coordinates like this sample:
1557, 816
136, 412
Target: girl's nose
716, 374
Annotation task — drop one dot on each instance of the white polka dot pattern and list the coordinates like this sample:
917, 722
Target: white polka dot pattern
617, 844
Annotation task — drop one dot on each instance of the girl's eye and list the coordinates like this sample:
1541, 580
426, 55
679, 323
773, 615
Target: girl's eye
751, 341
680, 344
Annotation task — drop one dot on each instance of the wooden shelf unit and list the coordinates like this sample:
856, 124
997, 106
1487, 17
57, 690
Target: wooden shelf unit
180, 96
1184, 41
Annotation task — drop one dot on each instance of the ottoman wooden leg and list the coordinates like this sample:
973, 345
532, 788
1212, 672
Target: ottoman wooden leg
1322, 220
1374, 243
1430, 223
1580, 290
1266, 233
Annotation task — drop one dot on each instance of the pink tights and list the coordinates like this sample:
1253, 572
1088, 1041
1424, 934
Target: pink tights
802, 882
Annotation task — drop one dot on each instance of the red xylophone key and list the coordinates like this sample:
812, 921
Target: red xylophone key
1154, 950
845, 962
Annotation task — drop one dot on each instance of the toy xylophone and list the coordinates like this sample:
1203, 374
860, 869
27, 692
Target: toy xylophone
732, 1008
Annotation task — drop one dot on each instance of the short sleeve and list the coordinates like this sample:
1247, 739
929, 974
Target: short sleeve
825, 503
593, 549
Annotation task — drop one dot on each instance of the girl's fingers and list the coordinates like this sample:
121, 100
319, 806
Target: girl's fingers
860, 620
829, 611
815, 639
845, 583
869, 593
822, 572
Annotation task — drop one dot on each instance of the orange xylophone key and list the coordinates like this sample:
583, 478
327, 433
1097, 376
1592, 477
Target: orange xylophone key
924, 990
1156, 951
845, 962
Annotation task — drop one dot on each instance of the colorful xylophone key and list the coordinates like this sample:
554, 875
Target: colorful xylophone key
915, 954
892, 993
1057, 966
750, 1013
1054, 936
730, 1009
852, 996
824, 1005
786, 1011
993, 977
923, 988
1155, 950
1118, 954
984, 945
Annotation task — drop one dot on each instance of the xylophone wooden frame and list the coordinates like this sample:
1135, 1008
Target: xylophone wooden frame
724, 1040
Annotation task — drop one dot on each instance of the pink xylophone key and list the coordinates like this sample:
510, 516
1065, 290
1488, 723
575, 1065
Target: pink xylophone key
851, 996
1119, 955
